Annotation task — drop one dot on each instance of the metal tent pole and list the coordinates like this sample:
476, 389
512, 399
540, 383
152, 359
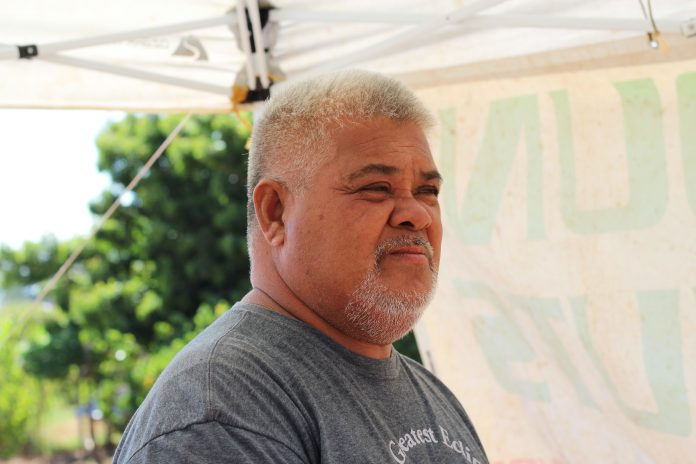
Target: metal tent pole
55, 47
258, 41
480, 21
137, 74
246, 45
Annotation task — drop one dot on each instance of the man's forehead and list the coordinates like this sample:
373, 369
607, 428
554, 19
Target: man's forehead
380, 140
380, 137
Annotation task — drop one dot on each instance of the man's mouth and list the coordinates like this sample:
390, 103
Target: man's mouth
412, 250
410, 254
409, 250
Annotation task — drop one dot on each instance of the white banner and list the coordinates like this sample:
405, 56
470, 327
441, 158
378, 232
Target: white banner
565, 319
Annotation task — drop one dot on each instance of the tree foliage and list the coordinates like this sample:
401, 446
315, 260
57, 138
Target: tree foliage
19, 391
163, 267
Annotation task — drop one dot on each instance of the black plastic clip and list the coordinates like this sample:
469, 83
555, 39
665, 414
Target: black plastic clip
260, 94
28, 51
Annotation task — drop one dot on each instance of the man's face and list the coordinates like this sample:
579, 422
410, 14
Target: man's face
363, 237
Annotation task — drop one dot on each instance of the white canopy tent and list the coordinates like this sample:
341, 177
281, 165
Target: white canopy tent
182, 55
565, 316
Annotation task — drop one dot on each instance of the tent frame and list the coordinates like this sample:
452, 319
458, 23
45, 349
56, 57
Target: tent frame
467, 18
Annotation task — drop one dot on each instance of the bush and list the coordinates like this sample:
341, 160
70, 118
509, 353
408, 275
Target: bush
20, 393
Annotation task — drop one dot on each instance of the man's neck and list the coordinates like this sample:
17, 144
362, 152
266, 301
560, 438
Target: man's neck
299, 311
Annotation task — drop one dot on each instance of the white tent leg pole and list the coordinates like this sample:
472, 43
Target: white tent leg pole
55, 47
258, 41
246, 45
137, 74
401, 40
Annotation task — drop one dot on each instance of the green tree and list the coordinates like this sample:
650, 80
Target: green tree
160, 269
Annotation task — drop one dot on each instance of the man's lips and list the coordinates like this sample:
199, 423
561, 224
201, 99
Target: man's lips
409, 250
411, 254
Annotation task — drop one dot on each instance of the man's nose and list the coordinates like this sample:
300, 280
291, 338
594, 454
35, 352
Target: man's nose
410, 213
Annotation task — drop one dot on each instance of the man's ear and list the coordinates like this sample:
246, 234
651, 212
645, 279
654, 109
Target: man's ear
270, 202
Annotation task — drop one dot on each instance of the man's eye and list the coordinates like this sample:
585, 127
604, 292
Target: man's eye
382, 188
429, 191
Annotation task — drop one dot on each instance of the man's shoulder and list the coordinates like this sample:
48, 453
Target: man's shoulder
235, 339
221, 377
230, 347
178, 397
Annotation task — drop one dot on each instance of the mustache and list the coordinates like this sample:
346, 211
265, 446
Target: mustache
387, 246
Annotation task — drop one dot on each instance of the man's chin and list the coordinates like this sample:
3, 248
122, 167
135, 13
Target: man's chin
413, 289
387, 304
380, 328
381, 316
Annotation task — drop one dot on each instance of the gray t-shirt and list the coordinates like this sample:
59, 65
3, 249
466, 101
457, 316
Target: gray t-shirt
259, 387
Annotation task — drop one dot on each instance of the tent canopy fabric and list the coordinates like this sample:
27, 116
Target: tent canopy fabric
191, 45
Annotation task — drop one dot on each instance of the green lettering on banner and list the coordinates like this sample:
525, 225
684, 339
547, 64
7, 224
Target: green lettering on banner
662, 357
507, 121
647, 174
502, 343
686, 96
542, 310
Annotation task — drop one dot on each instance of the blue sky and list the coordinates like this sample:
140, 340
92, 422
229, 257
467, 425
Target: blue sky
48, 172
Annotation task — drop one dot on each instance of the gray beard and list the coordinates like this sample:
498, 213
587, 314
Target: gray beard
381, 315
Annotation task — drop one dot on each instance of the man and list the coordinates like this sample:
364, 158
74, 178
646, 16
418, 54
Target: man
344, 238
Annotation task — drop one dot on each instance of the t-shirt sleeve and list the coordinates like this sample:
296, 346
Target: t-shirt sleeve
213, 442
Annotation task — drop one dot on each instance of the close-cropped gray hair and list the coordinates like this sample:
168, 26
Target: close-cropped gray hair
292, 133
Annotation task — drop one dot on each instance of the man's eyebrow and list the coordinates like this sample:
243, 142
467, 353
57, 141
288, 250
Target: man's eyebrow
431, 175
387, 170
372, 169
